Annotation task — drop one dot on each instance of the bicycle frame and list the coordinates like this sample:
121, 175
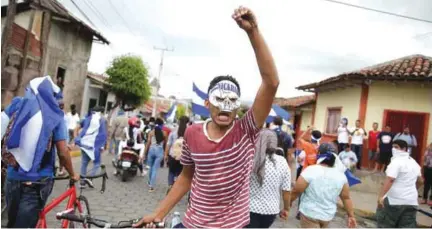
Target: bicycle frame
71, 193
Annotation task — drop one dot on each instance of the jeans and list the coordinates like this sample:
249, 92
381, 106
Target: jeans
85, 160
26, 201
260, 221
396, 216
358, 150
155, 156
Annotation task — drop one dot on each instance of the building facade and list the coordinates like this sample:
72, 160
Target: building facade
43, 38
397, 93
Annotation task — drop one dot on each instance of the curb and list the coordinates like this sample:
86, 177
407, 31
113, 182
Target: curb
75, 153
370, 214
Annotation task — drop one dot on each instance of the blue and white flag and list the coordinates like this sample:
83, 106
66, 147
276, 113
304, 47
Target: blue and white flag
170, 116
277, 111
35, 120
198, 106
93, 135
352, 180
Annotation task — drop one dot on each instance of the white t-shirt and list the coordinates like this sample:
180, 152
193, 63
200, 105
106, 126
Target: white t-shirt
266, 199
123, 144
343, 134
72, 120
406, 171
357, 136
136, 131
319, 200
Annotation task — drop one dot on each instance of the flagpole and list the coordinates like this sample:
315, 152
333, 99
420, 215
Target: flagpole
163, 50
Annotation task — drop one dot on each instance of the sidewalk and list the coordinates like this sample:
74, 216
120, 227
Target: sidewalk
365, 206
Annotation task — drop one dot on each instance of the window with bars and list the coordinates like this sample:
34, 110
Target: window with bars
333, 119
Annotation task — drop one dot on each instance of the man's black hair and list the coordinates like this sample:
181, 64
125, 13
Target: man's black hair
278, 121
152, 119
316, 134
72, 107
346, 146
401, 143
218, 79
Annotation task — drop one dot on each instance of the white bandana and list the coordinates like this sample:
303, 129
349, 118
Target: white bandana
225, 95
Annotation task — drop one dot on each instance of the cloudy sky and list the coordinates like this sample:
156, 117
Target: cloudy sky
310, 39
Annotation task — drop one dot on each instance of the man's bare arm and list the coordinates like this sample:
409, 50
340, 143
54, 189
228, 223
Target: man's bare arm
64, 156
269, 75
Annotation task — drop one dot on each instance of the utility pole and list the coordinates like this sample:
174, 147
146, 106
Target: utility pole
163, 50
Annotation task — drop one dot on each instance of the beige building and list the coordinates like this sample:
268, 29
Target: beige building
43, 38
397, 93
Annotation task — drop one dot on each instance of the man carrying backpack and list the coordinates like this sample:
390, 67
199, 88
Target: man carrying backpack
173, 151
408, 137
285, 141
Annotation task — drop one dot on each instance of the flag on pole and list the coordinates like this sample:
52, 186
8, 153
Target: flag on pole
198, 98
170, 116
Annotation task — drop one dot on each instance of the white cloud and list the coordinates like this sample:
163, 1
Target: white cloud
310, 39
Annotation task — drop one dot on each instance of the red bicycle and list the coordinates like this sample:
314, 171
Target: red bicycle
75, 202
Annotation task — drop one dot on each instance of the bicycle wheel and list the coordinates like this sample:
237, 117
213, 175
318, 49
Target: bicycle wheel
85, 210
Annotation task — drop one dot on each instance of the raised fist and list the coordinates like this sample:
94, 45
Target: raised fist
245, 18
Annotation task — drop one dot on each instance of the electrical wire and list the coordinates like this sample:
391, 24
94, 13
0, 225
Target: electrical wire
124, 21
84, 14
101, 18
380, 11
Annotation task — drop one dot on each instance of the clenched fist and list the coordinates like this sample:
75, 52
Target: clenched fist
245, 19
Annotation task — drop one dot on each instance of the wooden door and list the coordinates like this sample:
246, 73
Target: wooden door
417, 123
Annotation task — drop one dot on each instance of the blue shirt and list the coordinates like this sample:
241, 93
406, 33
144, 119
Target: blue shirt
319, 199
59, 134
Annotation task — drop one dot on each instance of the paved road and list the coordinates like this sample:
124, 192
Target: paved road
131, 199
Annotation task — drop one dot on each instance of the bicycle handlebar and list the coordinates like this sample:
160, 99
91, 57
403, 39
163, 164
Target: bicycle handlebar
88, 179
100, 223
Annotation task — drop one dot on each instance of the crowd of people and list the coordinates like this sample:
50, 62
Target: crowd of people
236, 171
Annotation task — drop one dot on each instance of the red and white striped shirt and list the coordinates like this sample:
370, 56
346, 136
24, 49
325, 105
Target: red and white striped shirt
220, 185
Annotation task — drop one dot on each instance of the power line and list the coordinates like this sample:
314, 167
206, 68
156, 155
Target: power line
82, 12
96, 12
380, 11
124, 21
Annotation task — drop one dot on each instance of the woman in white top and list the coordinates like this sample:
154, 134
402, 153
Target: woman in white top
270, 176
320, 186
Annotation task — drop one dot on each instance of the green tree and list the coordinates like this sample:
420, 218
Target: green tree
181, 111
128, 80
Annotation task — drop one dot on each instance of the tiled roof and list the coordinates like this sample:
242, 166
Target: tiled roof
294, 101
413, 68
99, 78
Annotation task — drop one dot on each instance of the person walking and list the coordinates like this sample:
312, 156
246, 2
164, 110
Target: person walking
427, 174
92, 140
358, 134
154, 149
33, 129
72, 121
117, 133
372, 145
217, 154
320, 186
270, 178
398, 198
173, 151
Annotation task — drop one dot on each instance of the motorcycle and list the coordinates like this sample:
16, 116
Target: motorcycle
127, 165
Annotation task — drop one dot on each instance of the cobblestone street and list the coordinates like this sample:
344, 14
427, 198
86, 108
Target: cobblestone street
131, 199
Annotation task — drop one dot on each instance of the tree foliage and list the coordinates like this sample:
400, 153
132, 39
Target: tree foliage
128, 80
181, 111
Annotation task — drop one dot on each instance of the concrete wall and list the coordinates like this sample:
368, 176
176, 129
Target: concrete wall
306, 120
403, 96
348, 99
69, 48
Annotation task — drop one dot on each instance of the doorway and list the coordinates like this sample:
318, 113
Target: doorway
296, 125
418, 124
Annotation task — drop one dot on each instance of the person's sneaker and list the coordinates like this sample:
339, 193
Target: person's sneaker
151, 189
115, 173
147, 167
61, 173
